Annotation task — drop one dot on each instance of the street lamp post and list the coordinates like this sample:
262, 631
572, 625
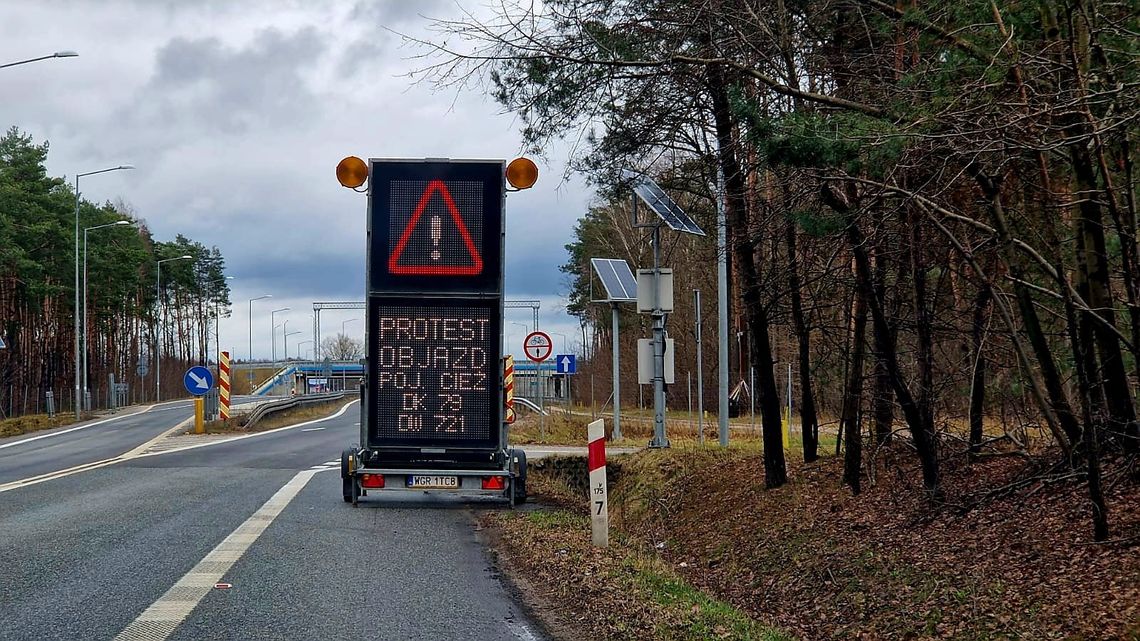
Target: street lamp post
342, 324
78, 382
86, 389
563, 340
343, 372
310, 342
249, 364
58, 54
273, 333
158, 334
217, 318
285, 337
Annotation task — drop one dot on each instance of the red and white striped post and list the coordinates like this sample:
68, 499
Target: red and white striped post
509, 386
224, 385
599, 493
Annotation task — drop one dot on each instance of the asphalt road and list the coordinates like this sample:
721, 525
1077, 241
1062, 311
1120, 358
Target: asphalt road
63, 448
133, 551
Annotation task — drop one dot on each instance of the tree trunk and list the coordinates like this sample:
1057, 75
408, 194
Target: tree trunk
808, 421
923, 440
883, 399
853, 400
1051, 378
978, 378
775, 469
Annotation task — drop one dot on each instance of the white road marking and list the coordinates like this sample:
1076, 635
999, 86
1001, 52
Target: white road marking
140, 451
254, 434
313, 429
163, 616
73, 429
522, 631
94, 465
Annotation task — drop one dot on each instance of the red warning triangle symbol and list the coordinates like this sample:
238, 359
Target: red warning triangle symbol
436, 269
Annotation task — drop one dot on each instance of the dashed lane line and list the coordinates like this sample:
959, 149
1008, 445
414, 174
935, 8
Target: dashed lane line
159, 621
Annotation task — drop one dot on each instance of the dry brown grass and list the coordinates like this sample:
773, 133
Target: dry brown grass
33, 423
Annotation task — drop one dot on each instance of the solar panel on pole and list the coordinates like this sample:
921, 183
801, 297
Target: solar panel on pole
617, 279
666, 209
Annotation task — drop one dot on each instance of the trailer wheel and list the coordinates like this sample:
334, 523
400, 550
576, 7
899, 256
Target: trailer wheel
518, 483
347, 480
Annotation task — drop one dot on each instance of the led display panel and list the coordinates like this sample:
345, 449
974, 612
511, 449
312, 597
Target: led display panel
435, 226
433, 372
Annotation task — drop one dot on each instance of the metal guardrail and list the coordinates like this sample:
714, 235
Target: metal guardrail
263, 410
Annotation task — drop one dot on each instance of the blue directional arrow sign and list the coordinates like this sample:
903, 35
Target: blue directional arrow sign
198, 380
565, 364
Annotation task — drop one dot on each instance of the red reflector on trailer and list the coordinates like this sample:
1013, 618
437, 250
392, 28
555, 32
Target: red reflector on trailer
372, 481
494, 483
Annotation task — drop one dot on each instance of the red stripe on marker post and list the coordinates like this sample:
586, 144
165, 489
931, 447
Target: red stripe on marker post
597, 453
599, 493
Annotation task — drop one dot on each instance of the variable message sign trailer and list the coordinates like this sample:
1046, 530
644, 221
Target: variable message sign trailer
432, 403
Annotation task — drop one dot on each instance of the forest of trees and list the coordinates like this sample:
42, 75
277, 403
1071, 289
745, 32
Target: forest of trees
931, 207
37, 292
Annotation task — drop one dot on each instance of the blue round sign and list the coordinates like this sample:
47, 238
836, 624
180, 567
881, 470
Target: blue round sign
198, 380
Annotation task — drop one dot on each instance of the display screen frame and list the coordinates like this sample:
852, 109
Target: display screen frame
378, 426
386, 275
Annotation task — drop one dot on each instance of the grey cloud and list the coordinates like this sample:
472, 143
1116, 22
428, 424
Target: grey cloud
217, 88
391, 13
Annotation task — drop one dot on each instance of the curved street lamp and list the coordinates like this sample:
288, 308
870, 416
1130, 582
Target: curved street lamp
249, 364
86, 349
310, 342
58, 54
273, 333
78, 377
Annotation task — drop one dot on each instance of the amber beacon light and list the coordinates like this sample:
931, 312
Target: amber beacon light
352, 172
522, 173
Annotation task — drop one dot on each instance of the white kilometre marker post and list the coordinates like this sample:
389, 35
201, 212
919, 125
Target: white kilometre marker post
599, 493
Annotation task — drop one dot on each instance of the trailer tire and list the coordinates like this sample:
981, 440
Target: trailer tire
518, 484
347, 481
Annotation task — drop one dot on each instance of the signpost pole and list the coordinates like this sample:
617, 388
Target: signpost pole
700, 370
617, 376
659, 438
199, 411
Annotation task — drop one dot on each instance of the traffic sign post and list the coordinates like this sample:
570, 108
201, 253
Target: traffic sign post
537, 346
566, 364
198, 380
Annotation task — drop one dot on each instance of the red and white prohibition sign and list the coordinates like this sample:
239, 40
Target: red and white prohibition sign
538, 346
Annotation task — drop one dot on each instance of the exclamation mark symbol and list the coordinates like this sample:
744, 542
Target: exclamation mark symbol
436, 232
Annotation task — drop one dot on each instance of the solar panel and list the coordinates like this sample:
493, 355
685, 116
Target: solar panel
617, 278
660, 202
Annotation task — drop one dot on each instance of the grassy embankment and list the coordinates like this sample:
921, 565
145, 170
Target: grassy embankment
815, 562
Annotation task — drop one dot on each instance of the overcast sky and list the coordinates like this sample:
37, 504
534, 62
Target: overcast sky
236, 112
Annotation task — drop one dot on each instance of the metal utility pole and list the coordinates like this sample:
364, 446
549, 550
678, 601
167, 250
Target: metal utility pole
617, 375
249, 363
700, 369
658, 316
78, 377
722, 307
